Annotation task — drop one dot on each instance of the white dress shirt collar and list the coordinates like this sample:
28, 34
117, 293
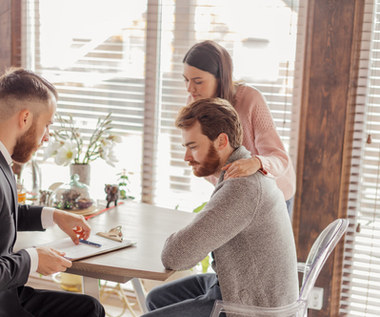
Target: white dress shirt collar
5, 153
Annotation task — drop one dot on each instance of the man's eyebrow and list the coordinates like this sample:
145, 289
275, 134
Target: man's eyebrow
188, 143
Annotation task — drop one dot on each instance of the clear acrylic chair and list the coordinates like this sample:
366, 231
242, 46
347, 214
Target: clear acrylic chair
320, 251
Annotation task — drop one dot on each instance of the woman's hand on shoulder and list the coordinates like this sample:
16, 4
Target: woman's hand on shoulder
242, 167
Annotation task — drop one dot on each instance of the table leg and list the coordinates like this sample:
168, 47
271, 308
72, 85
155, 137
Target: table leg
91, 286
140, 295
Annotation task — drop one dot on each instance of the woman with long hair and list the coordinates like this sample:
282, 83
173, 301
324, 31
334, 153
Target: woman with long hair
208, 72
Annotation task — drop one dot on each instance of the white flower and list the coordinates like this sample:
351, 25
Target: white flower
51, 149
106, 144
115, 138
65, 154
107, 154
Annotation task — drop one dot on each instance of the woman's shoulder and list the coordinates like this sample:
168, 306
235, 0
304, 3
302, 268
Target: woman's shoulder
246, 93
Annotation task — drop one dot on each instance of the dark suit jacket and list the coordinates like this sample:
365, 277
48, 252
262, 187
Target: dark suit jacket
14, 266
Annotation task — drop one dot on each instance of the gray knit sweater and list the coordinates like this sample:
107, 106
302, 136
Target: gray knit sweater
246, 225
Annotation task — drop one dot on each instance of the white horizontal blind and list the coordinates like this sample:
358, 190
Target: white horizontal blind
361, 267
125, 57
94, 54
261, 38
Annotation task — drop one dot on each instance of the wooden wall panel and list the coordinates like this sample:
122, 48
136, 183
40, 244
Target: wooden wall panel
16, 33
10, 33
325, 134
5, 34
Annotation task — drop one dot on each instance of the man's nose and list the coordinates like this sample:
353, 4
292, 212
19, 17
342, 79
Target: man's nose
188, 157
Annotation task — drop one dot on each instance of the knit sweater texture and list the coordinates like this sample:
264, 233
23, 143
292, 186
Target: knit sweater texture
246, 226
260, 137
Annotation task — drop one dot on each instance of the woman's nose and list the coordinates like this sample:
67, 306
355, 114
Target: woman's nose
190, 87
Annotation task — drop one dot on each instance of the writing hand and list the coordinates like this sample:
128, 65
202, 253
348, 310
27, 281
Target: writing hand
242, 167
51, 261
75, 226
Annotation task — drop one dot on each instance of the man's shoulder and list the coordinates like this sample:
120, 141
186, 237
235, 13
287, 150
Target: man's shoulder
256, 184
247, 183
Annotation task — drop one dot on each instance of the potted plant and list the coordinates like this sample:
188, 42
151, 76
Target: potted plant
67, 146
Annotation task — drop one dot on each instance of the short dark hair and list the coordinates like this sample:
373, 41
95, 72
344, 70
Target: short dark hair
24, 84
18, 84
215, 116
211, 57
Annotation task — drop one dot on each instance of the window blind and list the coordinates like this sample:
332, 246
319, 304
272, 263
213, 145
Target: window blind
94, 53
360, 290
125, 57
261, 38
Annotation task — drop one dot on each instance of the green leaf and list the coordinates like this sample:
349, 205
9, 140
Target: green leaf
199, 208
205, 264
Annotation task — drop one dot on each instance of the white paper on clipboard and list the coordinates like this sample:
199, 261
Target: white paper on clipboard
75, 252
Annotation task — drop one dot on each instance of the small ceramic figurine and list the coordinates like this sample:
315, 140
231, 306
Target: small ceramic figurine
112, 192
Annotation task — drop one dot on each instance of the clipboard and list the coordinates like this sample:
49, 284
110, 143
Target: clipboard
75, 252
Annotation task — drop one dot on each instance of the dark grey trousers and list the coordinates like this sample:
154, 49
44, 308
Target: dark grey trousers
188, 297
43, 303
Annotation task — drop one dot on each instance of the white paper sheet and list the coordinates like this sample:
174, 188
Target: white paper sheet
76, 252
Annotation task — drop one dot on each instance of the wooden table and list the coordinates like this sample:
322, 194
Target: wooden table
147, 224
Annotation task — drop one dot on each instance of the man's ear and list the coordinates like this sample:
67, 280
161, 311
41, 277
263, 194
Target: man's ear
221, 141
25, 119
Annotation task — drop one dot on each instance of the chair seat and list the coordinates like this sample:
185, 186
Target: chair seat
318, 254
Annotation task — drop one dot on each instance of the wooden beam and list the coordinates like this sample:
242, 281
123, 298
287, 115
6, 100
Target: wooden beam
10, 33
16, 33
323, 167
5, 34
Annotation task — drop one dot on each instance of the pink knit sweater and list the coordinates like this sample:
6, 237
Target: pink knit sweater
262, 140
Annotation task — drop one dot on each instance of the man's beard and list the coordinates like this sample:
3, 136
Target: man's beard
209, 166
25, 146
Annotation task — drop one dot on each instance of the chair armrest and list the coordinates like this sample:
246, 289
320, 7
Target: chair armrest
248, 310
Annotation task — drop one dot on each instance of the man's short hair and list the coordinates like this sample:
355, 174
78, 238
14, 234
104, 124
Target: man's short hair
17, 85
215, 116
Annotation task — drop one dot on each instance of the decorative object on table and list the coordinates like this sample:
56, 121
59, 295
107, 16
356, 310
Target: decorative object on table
73, 197
28, 178
112, 192
83, 171
124, 183
31, 179
44, 197
101, 211
68, 146
115, 234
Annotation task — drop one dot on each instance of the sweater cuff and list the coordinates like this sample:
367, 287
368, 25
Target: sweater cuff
261, 169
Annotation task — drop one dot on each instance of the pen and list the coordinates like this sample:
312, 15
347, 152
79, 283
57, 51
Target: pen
90, 243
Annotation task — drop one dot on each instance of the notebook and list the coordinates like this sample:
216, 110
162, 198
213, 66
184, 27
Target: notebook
80, 251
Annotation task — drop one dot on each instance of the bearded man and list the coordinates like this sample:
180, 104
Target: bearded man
27, 108
245, 225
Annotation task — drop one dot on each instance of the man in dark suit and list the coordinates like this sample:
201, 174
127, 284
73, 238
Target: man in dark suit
27, 108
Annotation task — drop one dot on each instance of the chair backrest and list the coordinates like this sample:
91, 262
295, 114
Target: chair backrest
318, 254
